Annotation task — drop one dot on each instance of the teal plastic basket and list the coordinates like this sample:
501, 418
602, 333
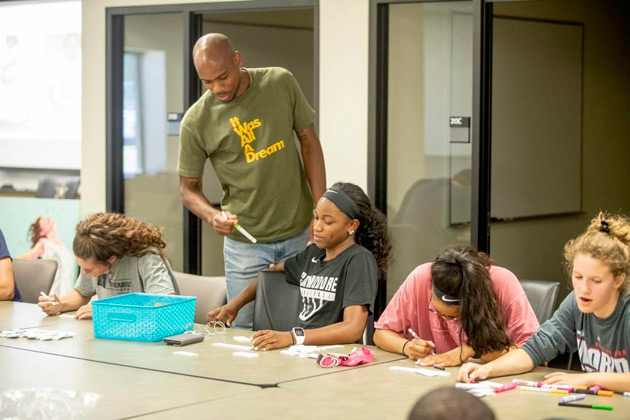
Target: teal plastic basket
142, 316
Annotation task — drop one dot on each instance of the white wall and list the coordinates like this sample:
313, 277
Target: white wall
343, 89
343, 92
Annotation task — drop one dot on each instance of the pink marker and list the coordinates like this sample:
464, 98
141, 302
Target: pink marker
596, 388
526, 383
505, 387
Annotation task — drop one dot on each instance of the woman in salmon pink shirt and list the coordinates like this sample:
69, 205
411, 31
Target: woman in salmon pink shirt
460, 306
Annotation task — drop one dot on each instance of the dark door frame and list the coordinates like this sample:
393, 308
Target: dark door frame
191, 15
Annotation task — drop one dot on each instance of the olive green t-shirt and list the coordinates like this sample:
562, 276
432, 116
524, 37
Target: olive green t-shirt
252, 149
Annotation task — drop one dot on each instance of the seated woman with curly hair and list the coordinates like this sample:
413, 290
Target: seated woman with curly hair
117, 255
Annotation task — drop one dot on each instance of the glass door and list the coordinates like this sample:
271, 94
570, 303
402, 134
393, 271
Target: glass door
428, 147
153, 89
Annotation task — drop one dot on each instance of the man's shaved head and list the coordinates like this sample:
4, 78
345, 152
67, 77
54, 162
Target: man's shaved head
219, 67
212, 47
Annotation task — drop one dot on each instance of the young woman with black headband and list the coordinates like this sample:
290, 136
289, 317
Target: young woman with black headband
337, 274
458, 307
594, 319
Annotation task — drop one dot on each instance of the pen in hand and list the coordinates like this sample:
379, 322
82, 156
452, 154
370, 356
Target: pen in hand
417, 337
241, 229
46, 296
413, 333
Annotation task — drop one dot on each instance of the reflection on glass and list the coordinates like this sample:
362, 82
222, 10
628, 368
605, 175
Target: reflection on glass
429, 167
153, 86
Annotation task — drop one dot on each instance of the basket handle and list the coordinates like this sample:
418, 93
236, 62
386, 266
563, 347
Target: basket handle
121, 316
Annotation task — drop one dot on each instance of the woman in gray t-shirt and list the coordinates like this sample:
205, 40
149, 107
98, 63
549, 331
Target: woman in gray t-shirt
117, 255
594, 319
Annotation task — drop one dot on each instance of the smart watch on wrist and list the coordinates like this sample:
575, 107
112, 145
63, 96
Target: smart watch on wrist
298, 335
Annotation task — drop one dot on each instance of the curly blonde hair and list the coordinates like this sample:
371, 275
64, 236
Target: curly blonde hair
606, 239
103, 235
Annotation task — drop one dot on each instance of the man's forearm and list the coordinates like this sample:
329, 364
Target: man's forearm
313, 158
194, 199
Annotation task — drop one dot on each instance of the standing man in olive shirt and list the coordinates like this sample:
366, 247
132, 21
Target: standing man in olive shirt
244, 124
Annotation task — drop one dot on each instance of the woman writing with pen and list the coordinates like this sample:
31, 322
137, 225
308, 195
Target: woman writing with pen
117, 254
460, 306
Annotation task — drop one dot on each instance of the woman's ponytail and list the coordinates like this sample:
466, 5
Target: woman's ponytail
372, 233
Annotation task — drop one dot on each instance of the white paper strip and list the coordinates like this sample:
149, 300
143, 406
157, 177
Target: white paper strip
461, 385
232, 346
186, 353
245, 354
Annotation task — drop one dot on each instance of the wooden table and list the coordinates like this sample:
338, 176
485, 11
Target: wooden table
124, 392
211, 362
153, 380
27, 315
375, 392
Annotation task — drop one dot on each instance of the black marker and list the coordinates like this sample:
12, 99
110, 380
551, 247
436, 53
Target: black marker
438, 367
596, 407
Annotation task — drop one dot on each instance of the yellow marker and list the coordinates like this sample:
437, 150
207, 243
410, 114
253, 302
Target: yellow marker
559, 391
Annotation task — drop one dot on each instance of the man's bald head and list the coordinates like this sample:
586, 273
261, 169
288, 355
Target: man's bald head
213, 48
219, 67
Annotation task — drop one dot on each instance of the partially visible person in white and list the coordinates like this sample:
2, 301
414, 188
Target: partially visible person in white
46, 245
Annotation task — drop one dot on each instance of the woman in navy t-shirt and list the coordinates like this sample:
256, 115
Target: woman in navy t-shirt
8, 288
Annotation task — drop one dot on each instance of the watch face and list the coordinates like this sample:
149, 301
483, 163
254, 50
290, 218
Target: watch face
299, 332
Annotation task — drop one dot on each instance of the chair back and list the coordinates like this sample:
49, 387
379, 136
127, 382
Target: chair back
33, 277
276, 304
542, 296
210, 292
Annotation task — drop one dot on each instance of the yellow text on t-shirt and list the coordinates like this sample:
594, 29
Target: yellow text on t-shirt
246, 133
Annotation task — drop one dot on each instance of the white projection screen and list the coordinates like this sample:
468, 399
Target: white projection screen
40, 85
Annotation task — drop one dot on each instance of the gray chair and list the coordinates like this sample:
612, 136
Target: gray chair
210, 292
276, 304
33, 277
542, 295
